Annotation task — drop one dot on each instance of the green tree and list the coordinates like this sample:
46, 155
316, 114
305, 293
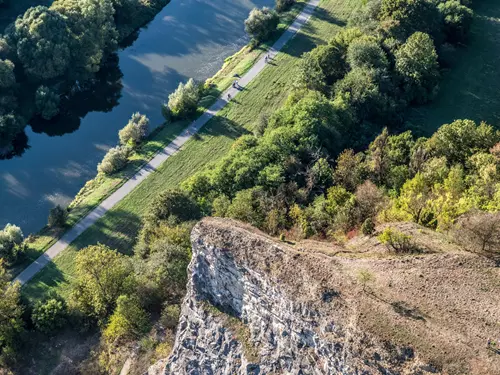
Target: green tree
261, 23
414, 198
11, 323
128, 322
10, 126
115, 159
174, 206
249, 206
135, 131
366, 53
282, 5
43, 42
11, 238
57, 217
50, 315
350, 170
457, 19
101, 276
47, 102
7, 77
183, 102
417, 64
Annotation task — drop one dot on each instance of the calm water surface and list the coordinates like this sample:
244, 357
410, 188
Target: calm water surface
189, 38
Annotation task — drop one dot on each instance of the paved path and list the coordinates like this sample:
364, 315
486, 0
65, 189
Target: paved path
163, 155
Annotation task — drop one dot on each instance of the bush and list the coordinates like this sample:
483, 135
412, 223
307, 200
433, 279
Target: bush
170, 316
174, 206
11, 238
135, 131
261, 23
57, 217
457, 20
50, 315
368, 227
129, 321
47, 102
166, 113
366, 53
183, 102
115, 160
282, 5
397, 241
7, 77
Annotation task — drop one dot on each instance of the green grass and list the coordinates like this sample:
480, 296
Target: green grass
469, 90
267, 92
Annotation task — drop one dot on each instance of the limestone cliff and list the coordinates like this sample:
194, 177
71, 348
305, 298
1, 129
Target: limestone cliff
258, 306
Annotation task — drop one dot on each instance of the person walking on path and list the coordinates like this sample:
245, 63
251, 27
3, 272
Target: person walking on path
228, 97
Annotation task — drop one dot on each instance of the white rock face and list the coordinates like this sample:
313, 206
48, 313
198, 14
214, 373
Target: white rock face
243, 315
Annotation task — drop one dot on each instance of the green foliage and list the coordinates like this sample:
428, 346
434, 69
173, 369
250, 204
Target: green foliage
368, 227
11, 324
457, 20
10, 126
170, 316
350, 170
249, 206
365, 278
11, 238
397, 241
7, 77
366, 53
174, 206
50, 315
101, 276
183, 102
128, 322
416, 63
135, 131
283, 5
261, 23
43, 42
57, 217
47, 102
115, 159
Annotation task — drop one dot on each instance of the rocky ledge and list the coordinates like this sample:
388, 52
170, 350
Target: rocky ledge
258, 306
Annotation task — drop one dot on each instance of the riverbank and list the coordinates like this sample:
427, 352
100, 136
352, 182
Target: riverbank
99, 188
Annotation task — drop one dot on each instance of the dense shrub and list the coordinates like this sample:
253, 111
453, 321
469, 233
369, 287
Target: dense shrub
183, 102
368, 227
457, 20
129, 321
11, 238
174, 206
114, 160
57, 217
397, 241
261, 23
47, 102
366, 53
282, 5
7, 77
135, 131
50, 315
479, 232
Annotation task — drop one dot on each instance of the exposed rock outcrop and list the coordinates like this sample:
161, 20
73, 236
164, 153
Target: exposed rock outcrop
257, 306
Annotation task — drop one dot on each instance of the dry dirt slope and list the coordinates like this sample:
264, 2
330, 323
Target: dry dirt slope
258, 306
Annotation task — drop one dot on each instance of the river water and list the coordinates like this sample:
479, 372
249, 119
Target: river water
188, 38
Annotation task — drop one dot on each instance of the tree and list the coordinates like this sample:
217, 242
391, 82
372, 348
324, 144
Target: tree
249, 206
282, 5
7, 77
457, 19
368, 227
43, 42
50, 315
174, 206
101, 276
115, 159
93, 32
369, 200
261, 23
183, 102
479, 232
47, 102
366, 53
417, 64
365, 278
11, 324
129, 321
11, 237
414, 198
57, 217
135, 131
350, 170
10, 126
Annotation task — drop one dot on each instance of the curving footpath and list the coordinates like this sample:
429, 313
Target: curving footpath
29, 272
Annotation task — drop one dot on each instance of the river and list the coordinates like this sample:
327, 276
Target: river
188, 38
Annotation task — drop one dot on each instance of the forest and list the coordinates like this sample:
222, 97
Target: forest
334, 161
